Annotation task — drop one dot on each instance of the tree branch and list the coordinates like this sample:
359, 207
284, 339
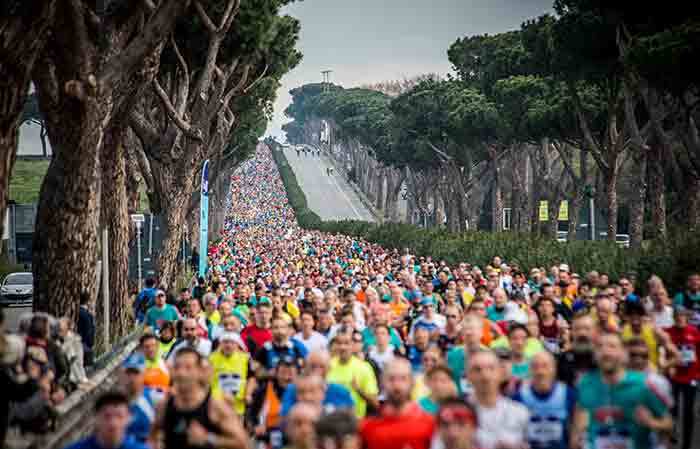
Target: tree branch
262, 75
149, 5
185, 127
206, 20
238, 87
156, 30
146, 133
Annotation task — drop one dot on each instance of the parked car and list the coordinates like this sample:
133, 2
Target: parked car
622, 240
17, 290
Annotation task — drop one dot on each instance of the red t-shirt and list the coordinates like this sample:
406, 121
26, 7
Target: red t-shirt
687, 340
412, 429
258, 336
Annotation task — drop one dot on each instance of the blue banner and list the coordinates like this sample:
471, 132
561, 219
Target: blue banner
204, 220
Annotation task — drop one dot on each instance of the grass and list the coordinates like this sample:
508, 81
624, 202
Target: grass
27, 176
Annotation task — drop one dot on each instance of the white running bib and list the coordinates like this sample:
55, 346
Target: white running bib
230, 383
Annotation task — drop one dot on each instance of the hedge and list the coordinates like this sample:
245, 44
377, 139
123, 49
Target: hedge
672, 259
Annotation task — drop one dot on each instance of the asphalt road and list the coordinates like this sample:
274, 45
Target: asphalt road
329, 196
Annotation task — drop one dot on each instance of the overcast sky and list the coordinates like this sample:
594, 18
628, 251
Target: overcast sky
365, 41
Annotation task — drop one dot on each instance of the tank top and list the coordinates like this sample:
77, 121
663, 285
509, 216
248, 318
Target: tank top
548, 417
648, 336
176, 422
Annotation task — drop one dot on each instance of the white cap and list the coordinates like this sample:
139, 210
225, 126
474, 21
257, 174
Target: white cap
564, 267
234, 337
380, 278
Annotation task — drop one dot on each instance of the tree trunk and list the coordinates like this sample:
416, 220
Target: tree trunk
381, 178
65, 250
553, 215
115, 217
9, 138
574, 211
657, 192
497, 201
638, 200
23, 34
610, 180
693, 194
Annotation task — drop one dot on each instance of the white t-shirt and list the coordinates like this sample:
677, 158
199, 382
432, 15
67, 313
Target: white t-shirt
663, 318
381, 358
506, 423
202, 346
316, 342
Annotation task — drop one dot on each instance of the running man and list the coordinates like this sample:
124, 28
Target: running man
190, 418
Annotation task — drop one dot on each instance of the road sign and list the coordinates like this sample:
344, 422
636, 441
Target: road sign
138, 218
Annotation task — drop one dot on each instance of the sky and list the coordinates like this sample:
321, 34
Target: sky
365, 41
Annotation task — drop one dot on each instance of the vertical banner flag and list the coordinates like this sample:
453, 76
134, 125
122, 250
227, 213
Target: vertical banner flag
204, 220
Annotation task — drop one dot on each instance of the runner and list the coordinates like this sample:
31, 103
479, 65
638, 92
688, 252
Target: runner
401, 423
190, 418
112, 417
616, 407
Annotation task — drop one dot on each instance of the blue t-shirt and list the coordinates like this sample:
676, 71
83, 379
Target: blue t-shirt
143, 412
91, 443
337, 397
550, 415
143, 302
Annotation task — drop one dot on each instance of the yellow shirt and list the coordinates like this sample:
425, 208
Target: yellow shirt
229, 376
648, 335
359, 370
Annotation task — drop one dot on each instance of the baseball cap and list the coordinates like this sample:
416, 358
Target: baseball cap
426, 301
264, 300
234, 337
136, 362
680, 309
564, 267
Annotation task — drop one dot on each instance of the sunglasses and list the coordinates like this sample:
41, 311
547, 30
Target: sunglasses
454, 317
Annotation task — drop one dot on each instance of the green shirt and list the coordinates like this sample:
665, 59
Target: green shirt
428, 405
457, 362
362, 373
368, 338
611, 409
155, 317
532, 345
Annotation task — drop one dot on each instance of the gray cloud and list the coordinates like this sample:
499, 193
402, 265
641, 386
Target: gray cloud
366, 41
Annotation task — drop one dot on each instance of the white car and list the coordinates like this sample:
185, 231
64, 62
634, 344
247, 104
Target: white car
17, 290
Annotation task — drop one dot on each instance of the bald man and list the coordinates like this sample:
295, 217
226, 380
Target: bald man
335, 397
402, 423
300, 426
191, 339
551, 404
502, 422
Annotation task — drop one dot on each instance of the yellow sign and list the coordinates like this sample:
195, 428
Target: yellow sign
564, 211
544, 211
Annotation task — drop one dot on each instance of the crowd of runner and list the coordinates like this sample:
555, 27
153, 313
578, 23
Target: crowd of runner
306, 340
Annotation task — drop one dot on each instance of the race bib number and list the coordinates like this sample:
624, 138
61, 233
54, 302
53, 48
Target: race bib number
544, 431
687, 354
230, 383
611, 438
695, 318
614, 442
552, 345
276, 439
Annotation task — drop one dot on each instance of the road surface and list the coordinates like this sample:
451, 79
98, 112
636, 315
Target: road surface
329, 196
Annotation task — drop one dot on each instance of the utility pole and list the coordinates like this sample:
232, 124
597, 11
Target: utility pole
326, 79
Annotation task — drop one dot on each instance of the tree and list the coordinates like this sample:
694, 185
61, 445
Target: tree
24, 26
92, 68
213, 64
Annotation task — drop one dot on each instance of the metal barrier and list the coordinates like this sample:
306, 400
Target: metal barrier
73, 417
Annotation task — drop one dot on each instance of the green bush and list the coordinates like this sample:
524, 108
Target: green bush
671, 259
